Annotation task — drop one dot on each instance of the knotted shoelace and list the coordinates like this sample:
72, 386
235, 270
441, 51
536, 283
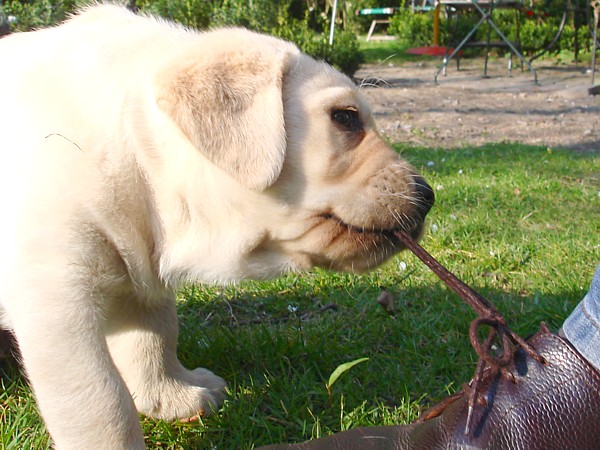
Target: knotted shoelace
510, 342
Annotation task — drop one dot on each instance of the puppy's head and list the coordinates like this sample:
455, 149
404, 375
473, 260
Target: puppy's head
352, 190
299, 141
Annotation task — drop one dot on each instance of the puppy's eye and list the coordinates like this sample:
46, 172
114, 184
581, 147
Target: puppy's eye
348, 118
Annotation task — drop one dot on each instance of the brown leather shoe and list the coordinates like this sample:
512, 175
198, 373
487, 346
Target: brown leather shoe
526, 404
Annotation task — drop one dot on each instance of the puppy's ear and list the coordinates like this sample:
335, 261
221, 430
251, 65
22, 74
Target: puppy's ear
230, 106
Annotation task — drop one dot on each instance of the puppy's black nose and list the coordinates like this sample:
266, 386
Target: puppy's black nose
424, 195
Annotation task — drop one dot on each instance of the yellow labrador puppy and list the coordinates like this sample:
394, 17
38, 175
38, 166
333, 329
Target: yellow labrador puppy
137, 155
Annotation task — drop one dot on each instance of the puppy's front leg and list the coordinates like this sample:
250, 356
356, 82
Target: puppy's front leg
81, 396
143, 344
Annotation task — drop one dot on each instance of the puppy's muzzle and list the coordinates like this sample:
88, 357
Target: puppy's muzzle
424, 196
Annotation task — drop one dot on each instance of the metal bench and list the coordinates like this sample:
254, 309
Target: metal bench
485, 8
382, 12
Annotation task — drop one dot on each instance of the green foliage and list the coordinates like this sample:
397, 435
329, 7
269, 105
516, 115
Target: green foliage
191, 13
533, 33
289, 19
540, 24
567, 38
414, 29
36, 14
344, 55
258, 15
537, 27
278, 19
340, 370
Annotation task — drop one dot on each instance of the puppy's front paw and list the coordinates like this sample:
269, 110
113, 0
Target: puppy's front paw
213, 391
193, 393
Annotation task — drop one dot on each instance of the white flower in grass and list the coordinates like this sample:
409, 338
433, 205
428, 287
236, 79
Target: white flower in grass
402, 265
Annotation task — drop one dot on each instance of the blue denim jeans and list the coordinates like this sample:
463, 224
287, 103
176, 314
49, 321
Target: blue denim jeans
582, 327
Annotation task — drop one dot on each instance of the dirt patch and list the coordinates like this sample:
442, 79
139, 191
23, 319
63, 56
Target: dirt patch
466, 109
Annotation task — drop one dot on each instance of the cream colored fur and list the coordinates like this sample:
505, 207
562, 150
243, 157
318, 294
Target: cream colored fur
137, 155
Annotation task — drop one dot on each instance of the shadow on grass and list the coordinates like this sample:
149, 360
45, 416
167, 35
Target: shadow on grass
278, 365
277, 359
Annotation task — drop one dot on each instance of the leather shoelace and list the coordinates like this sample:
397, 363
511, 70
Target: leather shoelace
489, 316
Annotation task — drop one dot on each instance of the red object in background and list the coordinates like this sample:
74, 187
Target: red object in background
431, 51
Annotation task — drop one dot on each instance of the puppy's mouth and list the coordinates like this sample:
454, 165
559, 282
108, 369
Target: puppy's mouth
414, 230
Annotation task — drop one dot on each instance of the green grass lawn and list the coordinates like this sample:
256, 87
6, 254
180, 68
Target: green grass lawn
519, 223
388, 52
